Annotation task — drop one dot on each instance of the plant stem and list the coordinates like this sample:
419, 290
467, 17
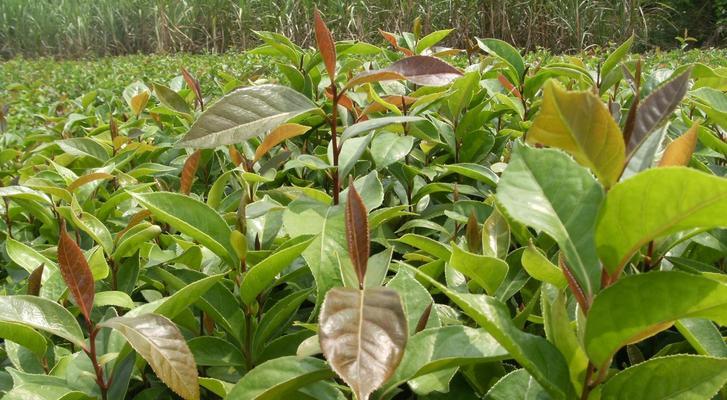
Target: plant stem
334, 143
91, 353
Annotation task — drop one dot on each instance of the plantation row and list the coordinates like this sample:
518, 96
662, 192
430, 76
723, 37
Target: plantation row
355, 222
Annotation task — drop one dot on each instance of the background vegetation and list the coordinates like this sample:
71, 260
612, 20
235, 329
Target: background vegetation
72, 28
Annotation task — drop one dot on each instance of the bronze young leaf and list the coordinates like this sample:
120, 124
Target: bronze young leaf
357, 233
325, 45
363, 334
188, 172
76, 272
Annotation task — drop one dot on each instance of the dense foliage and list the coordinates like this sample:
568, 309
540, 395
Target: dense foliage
351, 222
73, 28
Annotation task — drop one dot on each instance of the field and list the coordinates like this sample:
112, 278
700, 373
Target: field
360, 221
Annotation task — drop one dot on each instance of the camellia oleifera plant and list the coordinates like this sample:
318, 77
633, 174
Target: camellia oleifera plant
374, 223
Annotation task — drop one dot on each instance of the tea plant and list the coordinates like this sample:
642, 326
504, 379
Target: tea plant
371, 223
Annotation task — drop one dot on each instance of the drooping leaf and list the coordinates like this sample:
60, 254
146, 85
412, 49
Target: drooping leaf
76, 272
425, 70
189, 171
363, 334
662, 298
580, 124
654, 110
357, 233
326, 46
547, 190
279, 135
534, 353
245, 113
679, 152
279, 377
42, 314
642, 208
682, 376
160, 343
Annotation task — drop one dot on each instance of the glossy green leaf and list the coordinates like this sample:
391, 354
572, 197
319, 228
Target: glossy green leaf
431, 39
547, 190
437, 349
543, 361
388, 148
279, 377
540, 268
506, 53
662, 298
261, 275
41, 314
24, 336
191, 217
487, 272
215, 351
517, 384
642, 208
616, 56
170, 98
686, 377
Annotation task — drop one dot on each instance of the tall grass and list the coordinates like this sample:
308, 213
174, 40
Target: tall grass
73, 28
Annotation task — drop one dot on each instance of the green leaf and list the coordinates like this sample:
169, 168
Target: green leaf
215, 351
193, 218
261, 275
274, 379
172, 306
580, 124
160, 343
360, 128
246, 113
506, 53
540, 268
487, 272
547, 190
616, 56
41, 314
686, 377
543, 361
307, 217
438, 349
431, 39
170, 98
113, 298
363, 334
28, 258
426, 244
415, 298
388, 148
661, 297
703, 336
24, 336
642, 208
519, 385
277, 317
